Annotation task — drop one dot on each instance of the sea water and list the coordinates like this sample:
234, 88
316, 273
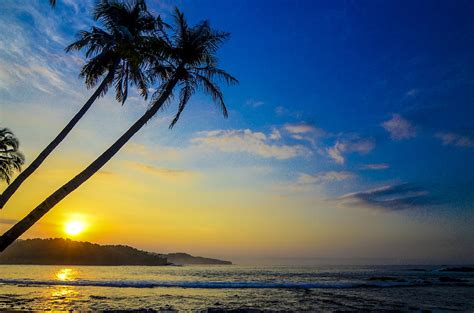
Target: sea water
311, 288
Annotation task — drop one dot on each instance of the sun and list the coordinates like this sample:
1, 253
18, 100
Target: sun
74, 228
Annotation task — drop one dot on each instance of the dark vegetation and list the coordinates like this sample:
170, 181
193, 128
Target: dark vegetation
60, 251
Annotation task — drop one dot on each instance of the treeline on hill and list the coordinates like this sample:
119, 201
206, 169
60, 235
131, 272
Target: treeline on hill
67, 252
184, 258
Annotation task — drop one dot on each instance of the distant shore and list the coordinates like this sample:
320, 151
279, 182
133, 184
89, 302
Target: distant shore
58, 251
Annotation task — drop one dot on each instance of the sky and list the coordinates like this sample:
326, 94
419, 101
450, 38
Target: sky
350, 136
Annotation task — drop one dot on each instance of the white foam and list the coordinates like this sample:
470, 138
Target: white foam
204, 284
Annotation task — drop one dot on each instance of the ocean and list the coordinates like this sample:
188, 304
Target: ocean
222, 287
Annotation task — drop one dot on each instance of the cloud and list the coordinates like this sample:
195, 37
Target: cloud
299, 128
399, 128
323, 177
105, 173
275, 134
389, 198
452, 139
375, 166
254, 103
412, 92
8, 221
162, 172
304, 132
312, 182
153, 153
350, 145
42, 65
280, 110
247, 141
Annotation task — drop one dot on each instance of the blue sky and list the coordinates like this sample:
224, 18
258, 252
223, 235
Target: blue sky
366, 106
347, 67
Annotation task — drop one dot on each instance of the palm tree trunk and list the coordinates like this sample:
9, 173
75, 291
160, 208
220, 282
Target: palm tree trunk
10, 190
22, 226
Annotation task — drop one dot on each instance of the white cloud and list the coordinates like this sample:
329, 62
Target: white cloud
313, 182
344, 146
323, 177
399, 128
455, 139
283, 111
375, 166
247, 141
280, 110
304, 132
299, 128
275, 134
254, 103
412, 92
42, 65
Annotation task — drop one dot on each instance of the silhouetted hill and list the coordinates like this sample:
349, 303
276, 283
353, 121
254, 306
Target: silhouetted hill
60, 251
184, 258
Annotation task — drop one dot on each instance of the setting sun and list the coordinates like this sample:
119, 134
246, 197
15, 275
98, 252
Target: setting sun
74, 228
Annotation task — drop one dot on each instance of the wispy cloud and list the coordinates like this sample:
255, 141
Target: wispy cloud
452, 139
283, 111
305, 182
8, 221
323, 177
389, 198
399, 128
247, 141
412, 92
349, 145
254, 103
375, 166
280, 110
304, 132
275, 134
153, 153
168, 173
44, 65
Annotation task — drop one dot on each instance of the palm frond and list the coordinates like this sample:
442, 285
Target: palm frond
11, 159
214, 91
123, 44
185, 94
189, 55
213, 73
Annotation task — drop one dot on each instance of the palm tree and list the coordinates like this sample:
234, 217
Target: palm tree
190, 63
115, 56
11, 159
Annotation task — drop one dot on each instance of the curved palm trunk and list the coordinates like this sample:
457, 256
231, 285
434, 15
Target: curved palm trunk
10, 190
22, 226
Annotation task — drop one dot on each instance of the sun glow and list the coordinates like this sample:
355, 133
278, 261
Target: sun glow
74, 228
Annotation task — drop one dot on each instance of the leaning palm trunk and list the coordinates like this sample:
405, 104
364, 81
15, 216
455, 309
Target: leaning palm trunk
10, 190
22, 226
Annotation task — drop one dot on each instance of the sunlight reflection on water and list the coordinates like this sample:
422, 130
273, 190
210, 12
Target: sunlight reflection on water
66, 274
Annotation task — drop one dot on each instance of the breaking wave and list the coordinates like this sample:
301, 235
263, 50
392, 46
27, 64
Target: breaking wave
208, 284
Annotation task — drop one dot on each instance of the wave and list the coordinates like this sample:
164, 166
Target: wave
209, 284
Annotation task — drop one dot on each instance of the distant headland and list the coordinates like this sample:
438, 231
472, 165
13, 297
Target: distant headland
59, 251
